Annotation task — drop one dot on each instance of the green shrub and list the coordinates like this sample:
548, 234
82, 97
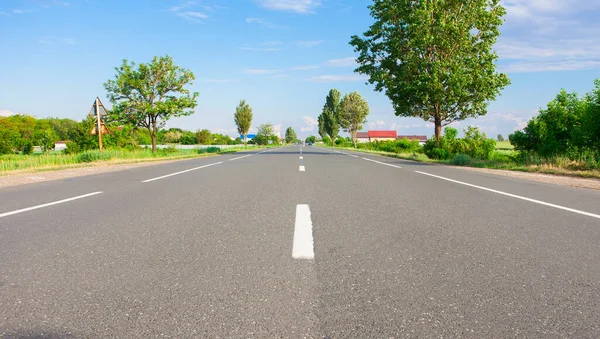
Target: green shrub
72, 148
28, 148
213, 149
461, 160
91, 156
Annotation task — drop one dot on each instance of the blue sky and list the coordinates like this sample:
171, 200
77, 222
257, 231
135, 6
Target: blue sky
282, 56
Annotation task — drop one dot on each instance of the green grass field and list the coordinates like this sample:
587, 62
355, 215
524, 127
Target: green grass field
504, 145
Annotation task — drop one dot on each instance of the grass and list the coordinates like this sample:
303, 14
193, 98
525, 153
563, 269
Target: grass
503, 159
57, 160
504, 145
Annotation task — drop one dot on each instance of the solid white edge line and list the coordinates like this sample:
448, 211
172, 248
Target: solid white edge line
382, 163
515, 196
48, 204
181, 172
302, 168
303, 247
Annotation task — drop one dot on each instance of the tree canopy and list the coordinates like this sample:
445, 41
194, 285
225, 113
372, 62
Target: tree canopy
433, 59
290, 135
330, 113
353, 114
243, 118
151, 94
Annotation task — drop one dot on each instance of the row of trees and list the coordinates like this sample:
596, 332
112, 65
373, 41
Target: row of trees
569, 126
348, 113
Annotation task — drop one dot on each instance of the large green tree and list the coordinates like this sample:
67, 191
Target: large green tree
204, 137
243, 118
151, 94
321, 121
265, 131
290, 135
353, 114
331, 114
433, 58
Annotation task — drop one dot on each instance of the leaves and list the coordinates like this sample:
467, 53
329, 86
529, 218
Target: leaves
243, 118
353, 113
290, 135
433, 59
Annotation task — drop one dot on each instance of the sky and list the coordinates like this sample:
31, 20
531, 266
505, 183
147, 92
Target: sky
281, 56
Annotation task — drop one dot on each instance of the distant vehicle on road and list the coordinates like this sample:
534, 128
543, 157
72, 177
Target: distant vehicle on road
310, 144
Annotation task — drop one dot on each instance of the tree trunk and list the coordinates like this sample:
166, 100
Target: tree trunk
245, 139
438, 128
153, 135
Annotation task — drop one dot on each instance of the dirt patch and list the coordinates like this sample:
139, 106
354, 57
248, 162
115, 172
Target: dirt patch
545, 178
15, 178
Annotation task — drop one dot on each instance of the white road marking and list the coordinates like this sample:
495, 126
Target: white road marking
48, 204
515, 196
249, 155
352, 155
382, 163
303, 235
302, 169
301, 157
181, 172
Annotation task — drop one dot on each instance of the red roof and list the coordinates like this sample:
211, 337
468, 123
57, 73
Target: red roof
382, 134
362, 135
413, 137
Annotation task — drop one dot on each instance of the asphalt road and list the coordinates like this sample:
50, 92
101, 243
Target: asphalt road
320, 244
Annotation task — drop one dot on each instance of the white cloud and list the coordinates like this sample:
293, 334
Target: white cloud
4, 13
248, 47
337, 78
277, 130
271, 43
296, 6
550, 35
190, 15
219, 81
309, 124
263, 23
21, 11
344, 62
376, 124
6, 113
309, 43
49, 40
280, 71
396, 126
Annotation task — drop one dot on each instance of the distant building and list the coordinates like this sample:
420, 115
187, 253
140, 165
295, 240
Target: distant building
60, 145
421, 138
382, 135
362, 136
249, 137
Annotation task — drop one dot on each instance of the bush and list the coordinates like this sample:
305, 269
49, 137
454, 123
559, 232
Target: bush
91, 156
72, 148
461, 160
169, 150
28, 148
209, 150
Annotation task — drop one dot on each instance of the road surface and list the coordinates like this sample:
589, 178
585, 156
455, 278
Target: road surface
299, 242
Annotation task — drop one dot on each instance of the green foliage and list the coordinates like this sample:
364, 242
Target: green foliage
28, 148
188, 138
243, 118
91, 156
321, 121
500, 138
326, 140
392, 146
311, 138
353, 114
290, 135
45, 138
474, 144
265, 131
461, 160
172, 137
434, 59
331, 113
567, 128
209, 150
72, 148
150, 95
203, 137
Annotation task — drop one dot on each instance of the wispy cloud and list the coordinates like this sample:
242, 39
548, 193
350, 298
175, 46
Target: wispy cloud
309, 124
271, 43
309, 43
303, 68
4, 13
280, 71
295, 6
52, 3
262, 71
264, 23
186, 11
49, 40
337, 78
376, 124
550, 35
21, 11
219, 81
343, 62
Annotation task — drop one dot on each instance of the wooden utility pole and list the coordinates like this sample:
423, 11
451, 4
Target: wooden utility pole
99, 125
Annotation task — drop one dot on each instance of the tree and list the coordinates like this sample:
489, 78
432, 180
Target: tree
243, 118
500, 137
322, 131
311, 138
353, 114
331, 112
151, 94
290, 135
204, 137
265, 130
434, 59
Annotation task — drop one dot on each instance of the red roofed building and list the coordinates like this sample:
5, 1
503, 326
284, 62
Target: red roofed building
382, 135
362, 136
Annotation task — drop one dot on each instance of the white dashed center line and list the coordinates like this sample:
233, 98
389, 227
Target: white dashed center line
181, 172
302, 169
47, 204
303, 234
